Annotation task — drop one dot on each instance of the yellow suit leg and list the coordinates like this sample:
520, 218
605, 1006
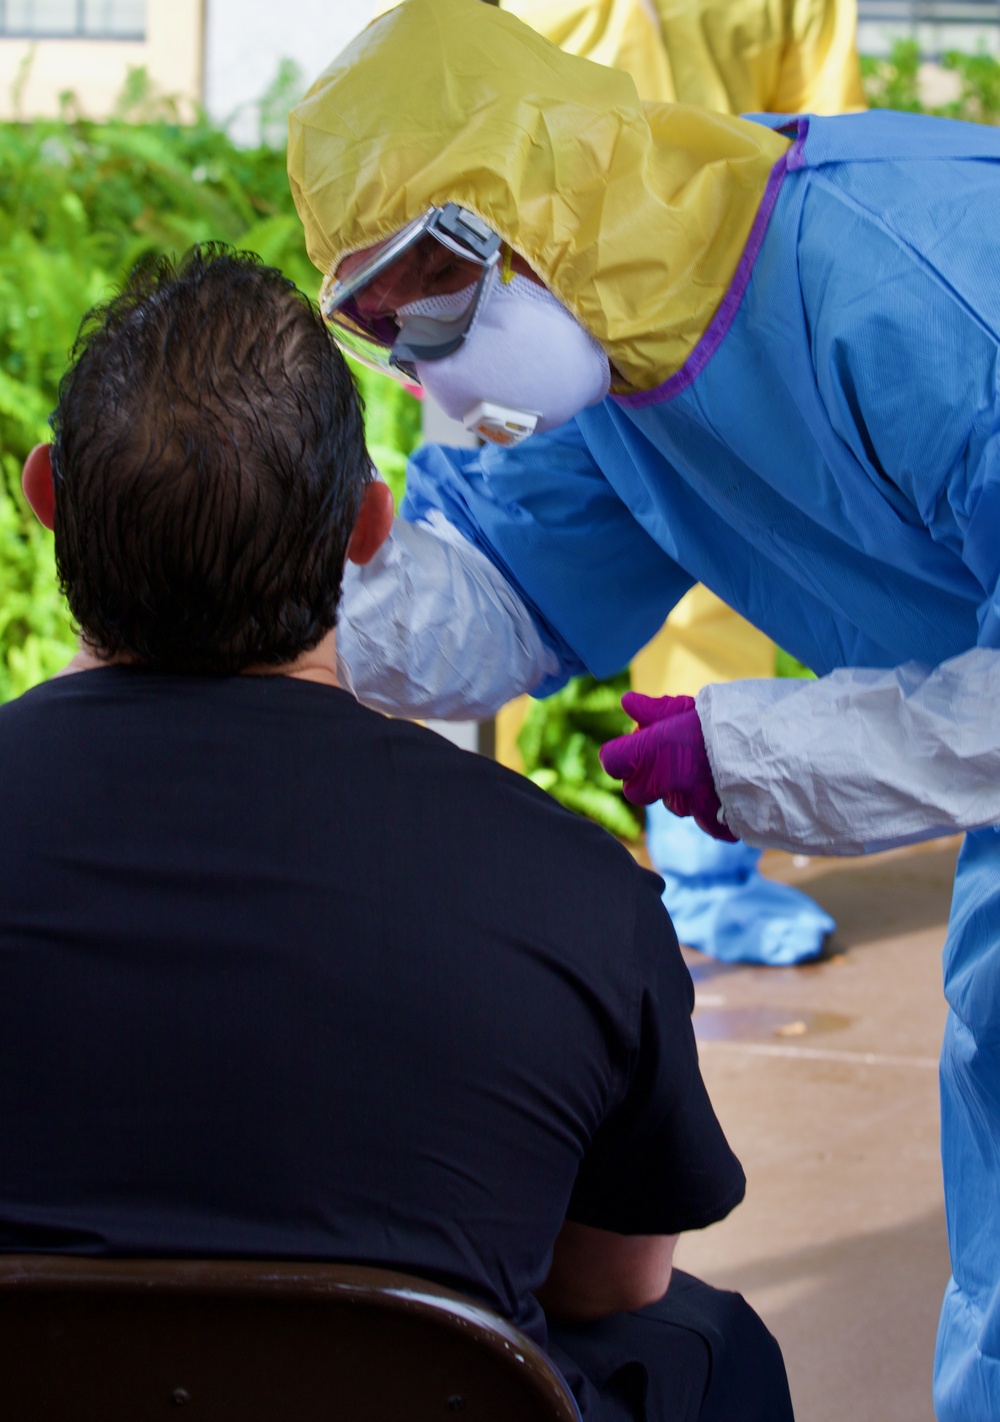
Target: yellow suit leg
702, 640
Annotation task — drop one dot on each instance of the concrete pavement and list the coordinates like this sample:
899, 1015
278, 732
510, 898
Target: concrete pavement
824, 1078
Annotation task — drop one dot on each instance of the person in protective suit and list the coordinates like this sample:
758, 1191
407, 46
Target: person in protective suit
760, 354
735, 56
754, 56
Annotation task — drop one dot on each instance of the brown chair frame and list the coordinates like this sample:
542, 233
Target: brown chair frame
133, 1340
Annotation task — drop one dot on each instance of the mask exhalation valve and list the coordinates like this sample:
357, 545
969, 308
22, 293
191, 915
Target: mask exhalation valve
500, 424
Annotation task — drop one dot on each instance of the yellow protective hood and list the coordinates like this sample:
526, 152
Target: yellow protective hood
737, 56
634, 216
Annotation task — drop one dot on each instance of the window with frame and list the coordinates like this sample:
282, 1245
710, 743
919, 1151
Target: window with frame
917, 12
73, 19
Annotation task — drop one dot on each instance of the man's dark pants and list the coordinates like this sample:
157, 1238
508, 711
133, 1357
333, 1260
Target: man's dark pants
699, 1355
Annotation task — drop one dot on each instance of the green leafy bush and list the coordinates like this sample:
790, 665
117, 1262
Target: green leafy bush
894, 83
560, 741
891, 83
787, 665
979, 100
80, 202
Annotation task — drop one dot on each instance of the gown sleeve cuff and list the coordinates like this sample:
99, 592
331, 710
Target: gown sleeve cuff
861, 760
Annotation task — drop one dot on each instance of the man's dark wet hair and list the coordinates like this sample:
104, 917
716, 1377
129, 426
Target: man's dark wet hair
209, 463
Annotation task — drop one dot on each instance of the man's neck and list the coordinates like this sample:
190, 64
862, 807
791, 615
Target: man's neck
319, 664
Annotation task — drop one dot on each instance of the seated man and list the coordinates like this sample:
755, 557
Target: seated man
281, 977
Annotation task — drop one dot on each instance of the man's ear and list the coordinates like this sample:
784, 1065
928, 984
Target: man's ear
373, 525
36, 481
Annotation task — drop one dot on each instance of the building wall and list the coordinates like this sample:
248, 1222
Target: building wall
245, 40
95, 69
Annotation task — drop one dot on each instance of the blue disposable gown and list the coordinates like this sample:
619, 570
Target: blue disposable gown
833, 472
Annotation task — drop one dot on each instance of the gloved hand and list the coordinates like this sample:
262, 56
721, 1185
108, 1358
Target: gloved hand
665, 759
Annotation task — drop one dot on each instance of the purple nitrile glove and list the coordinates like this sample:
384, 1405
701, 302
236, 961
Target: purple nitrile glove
664, 758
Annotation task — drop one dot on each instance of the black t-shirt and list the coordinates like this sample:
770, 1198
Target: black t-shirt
282, 977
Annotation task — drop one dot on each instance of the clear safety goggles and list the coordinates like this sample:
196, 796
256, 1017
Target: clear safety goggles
447, 250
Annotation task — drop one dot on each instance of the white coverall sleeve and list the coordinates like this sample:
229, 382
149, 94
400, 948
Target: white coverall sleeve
859, 760
430, 628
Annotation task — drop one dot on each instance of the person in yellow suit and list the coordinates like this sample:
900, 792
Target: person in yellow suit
734, 56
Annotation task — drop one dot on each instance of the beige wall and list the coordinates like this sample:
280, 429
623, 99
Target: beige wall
95, 69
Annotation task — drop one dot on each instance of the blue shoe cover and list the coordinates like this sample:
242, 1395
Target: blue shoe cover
721, 904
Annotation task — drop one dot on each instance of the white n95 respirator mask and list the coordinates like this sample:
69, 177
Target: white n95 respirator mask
526, 366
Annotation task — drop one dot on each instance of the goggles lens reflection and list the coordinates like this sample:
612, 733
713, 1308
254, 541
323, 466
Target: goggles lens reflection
446, 251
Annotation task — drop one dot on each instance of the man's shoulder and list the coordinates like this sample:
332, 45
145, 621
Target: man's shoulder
22, 711
481, 780
455, 804
504, 829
